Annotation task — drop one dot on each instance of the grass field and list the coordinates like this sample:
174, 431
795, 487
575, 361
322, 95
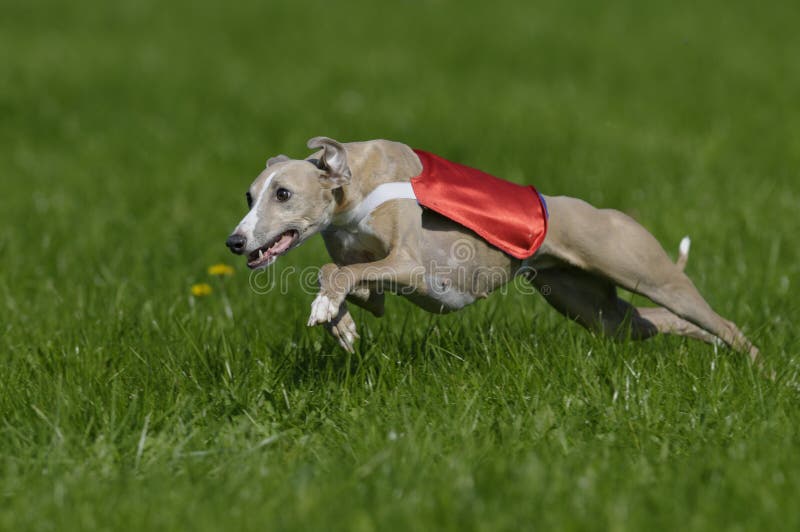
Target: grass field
129, 132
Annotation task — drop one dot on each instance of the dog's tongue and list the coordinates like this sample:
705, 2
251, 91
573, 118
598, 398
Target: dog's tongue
282, 244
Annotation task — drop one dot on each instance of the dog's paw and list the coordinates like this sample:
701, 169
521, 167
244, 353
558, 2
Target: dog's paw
323, 310
344, 330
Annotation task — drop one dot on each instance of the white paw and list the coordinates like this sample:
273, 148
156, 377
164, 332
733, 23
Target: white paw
323, 310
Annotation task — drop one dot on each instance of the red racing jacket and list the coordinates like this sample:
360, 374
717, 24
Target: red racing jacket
509, 216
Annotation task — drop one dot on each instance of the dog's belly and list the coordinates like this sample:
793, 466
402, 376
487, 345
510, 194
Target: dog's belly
459, 267
438, 295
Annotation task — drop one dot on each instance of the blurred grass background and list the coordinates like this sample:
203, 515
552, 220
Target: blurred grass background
129, 132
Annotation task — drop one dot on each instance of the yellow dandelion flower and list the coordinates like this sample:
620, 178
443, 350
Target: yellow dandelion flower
220, 270
201, 289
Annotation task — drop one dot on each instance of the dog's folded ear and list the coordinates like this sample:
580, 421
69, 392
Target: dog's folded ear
277, 159
333, 162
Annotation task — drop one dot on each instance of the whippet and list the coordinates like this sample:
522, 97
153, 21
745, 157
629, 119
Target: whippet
358, 196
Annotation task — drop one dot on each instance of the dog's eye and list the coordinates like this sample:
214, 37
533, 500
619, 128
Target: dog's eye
282, 194
249, 200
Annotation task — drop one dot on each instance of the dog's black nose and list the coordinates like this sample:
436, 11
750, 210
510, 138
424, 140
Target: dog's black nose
236, 243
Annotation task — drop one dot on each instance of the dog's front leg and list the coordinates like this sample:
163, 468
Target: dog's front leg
343, 328
368, 299
336, 283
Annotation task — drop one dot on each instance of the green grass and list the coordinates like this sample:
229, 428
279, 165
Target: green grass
129, 133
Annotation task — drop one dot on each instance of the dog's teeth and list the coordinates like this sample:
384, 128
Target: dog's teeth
260, 254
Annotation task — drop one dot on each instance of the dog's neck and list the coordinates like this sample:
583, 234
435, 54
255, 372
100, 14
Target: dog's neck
378, 176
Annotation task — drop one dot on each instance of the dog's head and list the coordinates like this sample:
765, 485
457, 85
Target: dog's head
290, 201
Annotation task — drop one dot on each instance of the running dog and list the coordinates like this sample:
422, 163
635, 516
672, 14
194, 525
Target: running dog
365, 200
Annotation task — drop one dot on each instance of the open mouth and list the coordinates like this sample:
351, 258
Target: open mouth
266, 254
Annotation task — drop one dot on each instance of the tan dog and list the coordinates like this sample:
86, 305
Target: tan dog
380, 239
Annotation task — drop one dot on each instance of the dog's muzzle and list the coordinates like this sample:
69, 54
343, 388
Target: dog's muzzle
266, 254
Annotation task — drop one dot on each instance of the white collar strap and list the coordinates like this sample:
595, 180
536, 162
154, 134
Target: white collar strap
379, 195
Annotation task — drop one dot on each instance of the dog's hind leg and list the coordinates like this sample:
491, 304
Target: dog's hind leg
593, 303
611, 245
668, 323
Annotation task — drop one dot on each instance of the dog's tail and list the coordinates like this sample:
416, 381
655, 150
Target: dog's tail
683, 252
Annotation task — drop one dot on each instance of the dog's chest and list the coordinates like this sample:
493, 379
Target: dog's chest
347, 246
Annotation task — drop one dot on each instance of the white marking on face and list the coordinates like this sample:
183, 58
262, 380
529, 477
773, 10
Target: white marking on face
250, 221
